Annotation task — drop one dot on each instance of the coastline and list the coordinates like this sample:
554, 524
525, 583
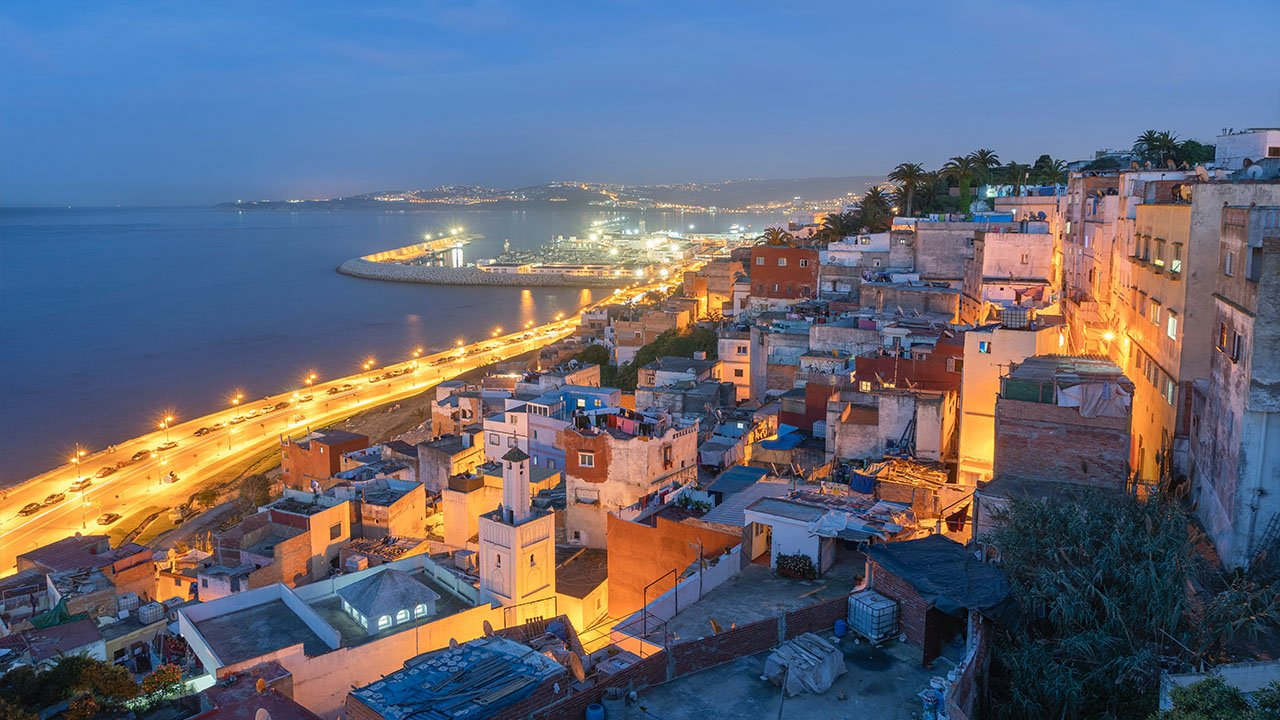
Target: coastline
429, 275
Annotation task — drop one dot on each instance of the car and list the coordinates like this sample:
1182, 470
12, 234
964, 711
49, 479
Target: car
375, 379
80, 484
105, 471
167, 446
140, 455
108, 518
29, 509
202, 432
170, 478
54, 498
333, 391
347, 386
305, 398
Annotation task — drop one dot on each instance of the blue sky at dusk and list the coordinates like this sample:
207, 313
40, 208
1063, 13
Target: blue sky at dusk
171, 103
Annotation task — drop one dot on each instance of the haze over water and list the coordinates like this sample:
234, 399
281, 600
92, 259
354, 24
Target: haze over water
111, 315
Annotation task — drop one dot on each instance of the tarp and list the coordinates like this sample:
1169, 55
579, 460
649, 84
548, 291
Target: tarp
949, 577
1105, 399
806, 663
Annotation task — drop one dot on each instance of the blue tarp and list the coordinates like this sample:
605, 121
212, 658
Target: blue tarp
859, 483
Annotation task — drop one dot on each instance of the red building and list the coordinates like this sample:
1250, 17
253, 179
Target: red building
317, 456
784, 273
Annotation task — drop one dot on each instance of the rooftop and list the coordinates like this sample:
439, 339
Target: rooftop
737, 479
258, 630
494, 672
881, 683
49, 643
671, 363
329, 437
330, 610
580, 570
81, 551
386, 592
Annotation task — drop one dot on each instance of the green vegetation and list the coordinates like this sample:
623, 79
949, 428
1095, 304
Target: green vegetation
1161, 147
89, 684
206, 497
254, 492
1103, 581
1213, 699
923, 192
671, 342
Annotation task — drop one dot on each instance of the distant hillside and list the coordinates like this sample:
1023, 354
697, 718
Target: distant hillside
732, 194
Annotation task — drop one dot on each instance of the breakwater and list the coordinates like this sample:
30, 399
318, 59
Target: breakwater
434, 275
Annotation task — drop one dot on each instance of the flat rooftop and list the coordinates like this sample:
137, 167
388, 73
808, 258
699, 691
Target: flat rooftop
257, 631
880, 683
757, 593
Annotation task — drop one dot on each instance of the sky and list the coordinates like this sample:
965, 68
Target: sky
163, 103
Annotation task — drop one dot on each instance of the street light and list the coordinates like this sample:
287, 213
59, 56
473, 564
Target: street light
236, 397
368, 363
165, 422
497, 331
311, 377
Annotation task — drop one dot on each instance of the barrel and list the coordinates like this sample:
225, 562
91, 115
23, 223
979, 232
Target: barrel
842, 628
595, 711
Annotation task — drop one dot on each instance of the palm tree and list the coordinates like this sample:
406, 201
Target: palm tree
987, 160
837, 226
1157, 146
775, 236
1016, 174
1048, 171
875, 210
964, 170
908, 176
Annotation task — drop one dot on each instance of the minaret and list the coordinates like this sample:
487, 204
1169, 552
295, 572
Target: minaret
517, 547
515, 487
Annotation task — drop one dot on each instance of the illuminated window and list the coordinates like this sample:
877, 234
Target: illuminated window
864, 385
1175, 262
1171, 326
782, 262
402, 616
384, 622
804, 263
420, 610
984, 347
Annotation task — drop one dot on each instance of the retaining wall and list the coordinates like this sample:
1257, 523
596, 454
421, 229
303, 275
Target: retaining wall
432, 275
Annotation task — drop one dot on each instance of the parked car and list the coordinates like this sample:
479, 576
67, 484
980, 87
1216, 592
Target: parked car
81, 484
54, 498
29, 509
105, 471
140, 455
202, 432
238, 419
108, 518
304, 398
333, 391
167, 446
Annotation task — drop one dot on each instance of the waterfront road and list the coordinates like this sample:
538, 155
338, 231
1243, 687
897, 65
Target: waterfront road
232, 436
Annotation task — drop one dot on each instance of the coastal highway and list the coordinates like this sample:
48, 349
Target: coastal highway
234, 435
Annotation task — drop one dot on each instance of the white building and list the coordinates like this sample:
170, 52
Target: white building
1236, 146
517, 546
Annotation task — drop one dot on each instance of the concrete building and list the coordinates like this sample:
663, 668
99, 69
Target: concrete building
127, 567
448, 455
738, 348
940, 249
316, 456
666, 371
1234, 147
615, 458
517, 547
782, 276
1235, 417
1064, 419
1007, 268
988, 351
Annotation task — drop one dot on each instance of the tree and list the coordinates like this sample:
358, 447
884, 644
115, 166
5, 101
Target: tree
986, 161
207, 497
776, 236
909, 177
595, 354
1213, 699
1047, 171
1157, 146
83, 708
964, 170
1192, 152
255, 491
10, 711
875, 210
1016, 174
670, 343
163, 683
1101, 579
837, 226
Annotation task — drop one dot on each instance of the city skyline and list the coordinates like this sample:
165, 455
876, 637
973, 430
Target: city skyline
131, 105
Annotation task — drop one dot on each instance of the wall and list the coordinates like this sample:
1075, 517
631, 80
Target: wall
640, 554
785, 273
1042, 441
890, 297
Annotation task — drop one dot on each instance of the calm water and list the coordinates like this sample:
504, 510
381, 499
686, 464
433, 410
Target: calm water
111, 315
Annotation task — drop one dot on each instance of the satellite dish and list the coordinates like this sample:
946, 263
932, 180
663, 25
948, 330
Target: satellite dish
575, 667
260, 686
488, 629
453, 644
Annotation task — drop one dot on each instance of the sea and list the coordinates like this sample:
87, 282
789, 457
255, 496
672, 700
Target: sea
113, 317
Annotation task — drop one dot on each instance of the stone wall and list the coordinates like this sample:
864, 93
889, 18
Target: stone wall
428, 275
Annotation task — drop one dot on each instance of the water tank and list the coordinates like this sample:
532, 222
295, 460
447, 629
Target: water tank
873, 616
595, 711
151, 612
841, 628
129, 602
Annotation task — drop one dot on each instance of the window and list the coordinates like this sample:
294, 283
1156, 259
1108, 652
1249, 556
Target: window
1159, 258
532, 561
586, 459
551, 464
335, 530
864, 386
1228, 263
493, 438
420, 610
204, 582
497, 561
1237, 347
402, 616
984, 347
1171, 327
667, 456
737, 372
775, 287
782, 262
511, 441
384, 622
1170, 390
1026, 258
1155, 312
740, 350
760, 260
1175, 261
804, 263
535, 434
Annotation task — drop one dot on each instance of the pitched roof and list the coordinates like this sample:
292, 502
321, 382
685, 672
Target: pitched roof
515, 455
387, 592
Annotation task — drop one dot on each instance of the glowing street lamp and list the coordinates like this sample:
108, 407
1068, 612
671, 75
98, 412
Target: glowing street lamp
497, 331
311, 377
368, 363
164, 424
